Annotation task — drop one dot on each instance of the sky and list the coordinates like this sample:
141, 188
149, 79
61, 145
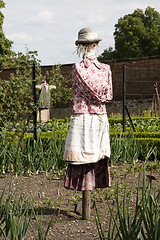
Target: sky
51, 27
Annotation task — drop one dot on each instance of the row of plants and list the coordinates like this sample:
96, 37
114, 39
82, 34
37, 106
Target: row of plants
46, 154
141, 124
30, 156
19, 153
16, 218
134, 215
132, 150
143, 143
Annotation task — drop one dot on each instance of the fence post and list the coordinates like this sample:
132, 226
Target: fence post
35, 102
86, 208
124, 98
158, 98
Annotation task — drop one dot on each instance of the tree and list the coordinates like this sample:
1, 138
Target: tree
16, 97
136, 35
5, 44
108, 53
63, 95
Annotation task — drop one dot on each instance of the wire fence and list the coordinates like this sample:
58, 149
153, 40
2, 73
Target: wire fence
140, 83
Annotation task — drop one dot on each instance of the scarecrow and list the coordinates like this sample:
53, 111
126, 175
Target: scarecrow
87, 146
44, 101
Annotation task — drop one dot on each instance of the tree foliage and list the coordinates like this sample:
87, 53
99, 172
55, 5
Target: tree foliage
16, 96
5, 44
62, 96
16, 100
136, 35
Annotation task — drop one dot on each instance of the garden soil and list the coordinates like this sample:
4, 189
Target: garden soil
50, 200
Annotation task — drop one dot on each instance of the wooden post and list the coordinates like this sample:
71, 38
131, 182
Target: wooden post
124, 98
158, 98
86, 205
35, 104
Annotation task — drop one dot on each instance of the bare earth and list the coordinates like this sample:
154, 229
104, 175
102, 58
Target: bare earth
51, 200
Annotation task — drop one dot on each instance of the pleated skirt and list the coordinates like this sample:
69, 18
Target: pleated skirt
88, 176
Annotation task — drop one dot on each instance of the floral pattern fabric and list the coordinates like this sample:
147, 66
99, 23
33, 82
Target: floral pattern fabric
92, 85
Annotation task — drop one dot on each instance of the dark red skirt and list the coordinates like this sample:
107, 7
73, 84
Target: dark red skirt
88, 176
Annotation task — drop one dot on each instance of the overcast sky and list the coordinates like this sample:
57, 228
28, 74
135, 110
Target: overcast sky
51, 26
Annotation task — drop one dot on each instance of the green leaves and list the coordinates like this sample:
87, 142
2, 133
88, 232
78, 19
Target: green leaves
5, 44
62, 95
136, 35
16, 99
151, 217
16, 216
19, 154
138, 222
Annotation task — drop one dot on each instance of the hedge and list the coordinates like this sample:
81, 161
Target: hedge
120, 120
135, 134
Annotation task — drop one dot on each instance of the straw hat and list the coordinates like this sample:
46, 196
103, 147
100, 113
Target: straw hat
87, 35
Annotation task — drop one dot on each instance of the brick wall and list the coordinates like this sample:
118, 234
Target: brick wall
141, 75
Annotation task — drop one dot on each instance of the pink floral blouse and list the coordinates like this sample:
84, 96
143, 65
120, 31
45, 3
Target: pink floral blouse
92, 85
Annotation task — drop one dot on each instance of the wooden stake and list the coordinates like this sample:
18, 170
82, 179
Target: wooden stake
158, 98
86, 205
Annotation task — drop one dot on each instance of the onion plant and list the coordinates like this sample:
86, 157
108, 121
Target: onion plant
40, 233
16, 218
127, 149
27, 155
19, 153
140, 221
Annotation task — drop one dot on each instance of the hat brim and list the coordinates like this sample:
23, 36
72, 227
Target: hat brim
85, 41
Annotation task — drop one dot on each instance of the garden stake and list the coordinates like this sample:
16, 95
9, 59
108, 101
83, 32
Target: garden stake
86, 205
158, 98
34, 99
124, 98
